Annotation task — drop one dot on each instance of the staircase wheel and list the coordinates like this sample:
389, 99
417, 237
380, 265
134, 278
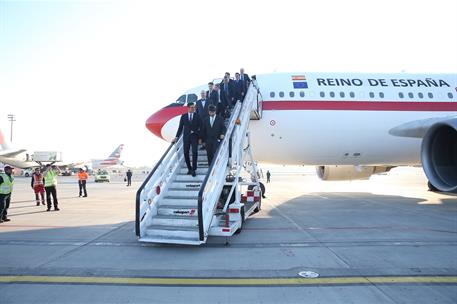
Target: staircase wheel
262, 188
242, 214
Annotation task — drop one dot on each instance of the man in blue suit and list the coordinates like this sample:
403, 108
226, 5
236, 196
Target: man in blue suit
202, 106
189, 126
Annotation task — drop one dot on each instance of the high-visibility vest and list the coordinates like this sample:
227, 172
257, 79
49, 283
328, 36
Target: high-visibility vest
83, 175
7, 186
50, 179
37, 179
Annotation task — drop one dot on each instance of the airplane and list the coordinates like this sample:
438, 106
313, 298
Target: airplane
112, 160
19, 158
348, 125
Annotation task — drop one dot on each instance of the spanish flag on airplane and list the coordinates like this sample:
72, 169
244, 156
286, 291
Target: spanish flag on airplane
299, 82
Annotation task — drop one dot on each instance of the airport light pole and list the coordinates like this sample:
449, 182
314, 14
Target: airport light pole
11, 118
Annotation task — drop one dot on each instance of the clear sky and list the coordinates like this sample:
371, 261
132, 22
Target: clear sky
83, 76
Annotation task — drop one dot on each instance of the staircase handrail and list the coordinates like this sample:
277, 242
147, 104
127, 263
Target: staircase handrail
214, 186
161, 167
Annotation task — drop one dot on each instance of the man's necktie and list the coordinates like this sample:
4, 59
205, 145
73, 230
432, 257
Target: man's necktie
212, 121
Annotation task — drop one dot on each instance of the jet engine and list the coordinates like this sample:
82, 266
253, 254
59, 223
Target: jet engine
340, 173
439, 155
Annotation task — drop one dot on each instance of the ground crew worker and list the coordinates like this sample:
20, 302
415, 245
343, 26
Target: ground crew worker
38, 186
268, 176
50, 185
129, 177
83, 176
6, 187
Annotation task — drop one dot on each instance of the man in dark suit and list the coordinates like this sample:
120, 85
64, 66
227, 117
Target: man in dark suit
189, 126
245, 79
217, 100
202, 106
227, 91
213, 130
210, 93
240, 88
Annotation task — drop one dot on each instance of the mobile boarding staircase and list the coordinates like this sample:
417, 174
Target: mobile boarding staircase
173, 207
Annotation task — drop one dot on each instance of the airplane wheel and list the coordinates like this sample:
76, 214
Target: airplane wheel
431, 187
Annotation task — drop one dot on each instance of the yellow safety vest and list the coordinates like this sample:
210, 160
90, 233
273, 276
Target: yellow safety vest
7, 186
50, 179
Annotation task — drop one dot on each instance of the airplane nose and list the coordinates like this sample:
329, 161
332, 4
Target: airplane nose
157, 120
155, 123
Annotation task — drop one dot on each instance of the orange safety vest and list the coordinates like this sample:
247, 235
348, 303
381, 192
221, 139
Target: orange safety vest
83, 176
37, 179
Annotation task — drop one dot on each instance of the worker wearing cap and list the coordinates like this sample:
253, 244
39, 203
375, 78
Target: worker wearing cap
6, 187
82, 176
50, 185
38, 185
189, 126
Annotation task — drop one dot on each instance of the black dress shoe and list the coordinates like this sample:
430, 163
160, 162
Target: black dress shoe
56, 209
6, 220
193, 173
189, 172
49, 209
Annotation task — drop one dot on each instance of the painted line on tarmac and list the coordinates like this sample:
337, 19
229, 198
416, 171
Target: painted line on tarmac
242, 282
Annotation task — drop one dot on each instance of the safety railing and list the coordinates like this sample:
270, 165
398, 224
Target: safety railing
154, 185
215, 179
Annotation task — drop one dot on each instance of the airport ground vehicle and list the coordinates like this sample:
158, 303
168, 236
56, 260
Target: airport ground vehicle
102, 176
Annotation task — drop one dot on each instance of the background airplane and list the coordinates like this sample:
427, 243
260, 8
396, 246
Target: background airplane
19, 158
113, 159
349, 126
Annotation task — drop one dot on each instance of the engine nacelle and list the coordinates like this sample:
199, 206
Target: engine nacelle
439, 155
340, 173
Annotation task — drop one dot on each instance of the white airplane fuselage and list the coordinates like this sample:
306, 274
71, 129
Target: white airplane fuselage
339, 119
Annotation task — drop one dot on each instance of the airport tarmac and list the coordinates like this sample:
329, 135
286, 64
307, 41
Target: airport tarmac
386, 240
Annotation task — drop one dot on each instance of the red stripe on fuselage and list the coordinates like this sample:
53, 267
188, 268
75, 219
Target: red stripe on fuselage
157, 120
359, 105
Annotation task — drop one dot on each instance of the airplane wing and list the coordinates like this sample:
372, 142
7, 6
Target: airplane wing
417, 128
9, 153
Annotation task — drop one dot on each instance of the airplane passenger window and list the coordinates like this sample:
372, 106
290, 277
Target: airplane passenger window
352, 94
400, 95
450, 95
371, 95
342, 94
291, 94
192, 98
281, 94
410, 95
430, 95
381, 94
322, 94
420, 95
272, 94
181, 99
332, 94
302, 94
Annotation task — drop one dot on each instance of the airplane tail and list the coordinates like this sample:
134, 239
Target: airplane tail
117, 153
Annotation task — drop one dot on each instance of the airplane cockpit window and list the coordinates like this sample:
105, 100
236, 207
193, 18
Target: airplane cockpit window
281, 94
430, 95
272, 94
302, 94
322, 94
381, 95
192, 98
410, 95
401, 95
450, 95
342, 94
181, 99
352, 94
291, 94
420, 95
371, 95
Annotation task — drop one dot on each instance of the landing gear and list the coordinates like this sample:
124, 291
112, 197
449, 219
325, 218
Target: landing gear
431, 187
